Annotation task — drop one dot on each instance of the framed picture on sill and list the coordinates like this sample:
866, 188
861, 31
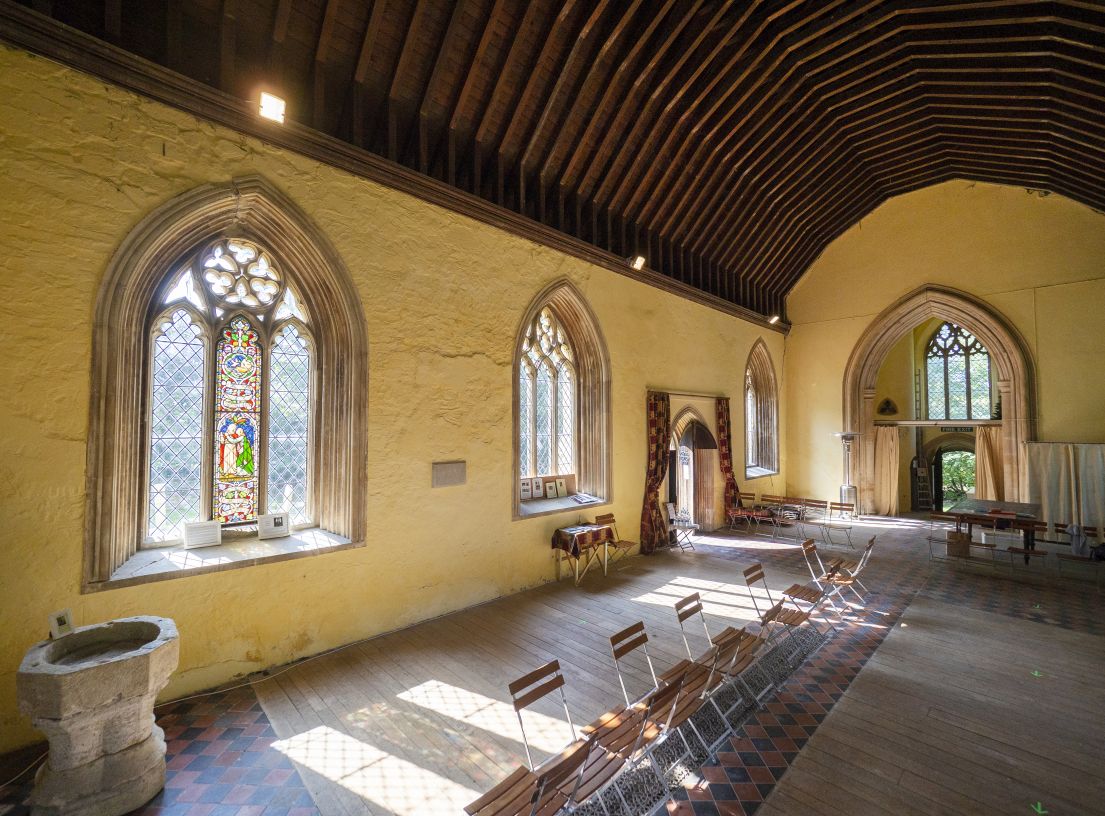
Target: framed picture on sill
562, 487
538, 488
550, 490
527, 490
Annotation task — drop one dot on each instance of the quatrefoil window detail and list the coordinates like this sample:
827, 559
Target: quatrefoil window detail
241, 274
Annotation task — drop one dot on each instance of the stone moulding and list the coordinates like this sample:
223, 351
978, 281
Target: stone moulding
117, 451
1009, 353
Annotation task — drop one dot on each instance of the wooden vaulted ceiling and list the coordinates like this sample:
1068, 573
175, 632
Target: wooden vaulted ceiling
727, 142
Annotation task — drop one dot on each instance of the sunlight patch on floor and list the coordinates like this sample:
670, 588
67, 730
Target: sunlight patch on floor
545, 733
718, 598
399, 786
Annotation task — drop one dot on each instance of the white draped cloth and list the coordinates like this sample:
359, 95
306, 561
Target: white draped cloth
1068, 481
886, 470
989, 475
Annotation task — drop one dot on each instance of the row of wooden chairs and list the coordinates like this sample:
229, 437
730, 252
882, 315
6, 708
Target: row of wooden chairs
699, 699
800, 515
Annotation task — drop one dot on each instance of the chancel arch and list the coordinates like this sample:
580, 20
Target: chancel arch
1014, 376
201, 276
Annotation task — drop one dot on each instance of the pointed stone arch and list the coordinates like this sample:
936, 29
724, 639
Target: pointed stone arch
760, 371
1009, 354
127, 300
593, 432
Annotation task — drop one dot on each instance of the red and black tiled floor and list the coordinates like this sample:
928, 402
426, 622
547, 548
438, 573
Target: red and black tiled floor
220, 763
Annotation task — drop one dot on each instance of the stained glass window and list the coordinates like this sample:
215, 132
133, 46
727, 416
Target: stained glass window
244, 343
289, 424
957, 375
176, 427
237, 423
546, 400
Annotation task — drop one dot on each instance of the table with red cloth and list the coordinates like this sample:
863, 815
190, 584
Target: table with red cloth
582, 542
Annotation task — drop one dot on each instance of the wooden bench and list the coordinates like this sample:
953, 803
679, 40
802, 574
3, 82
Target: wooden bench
1082, 561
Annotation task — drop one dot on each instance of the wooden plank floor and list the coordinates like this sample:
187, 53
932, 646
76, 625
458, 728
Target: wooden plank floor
428, 705
947, 717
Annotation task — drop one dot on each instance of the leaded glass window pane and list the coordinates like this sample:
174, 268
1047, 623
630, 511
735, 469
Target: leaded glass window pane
980, 386
957, 387
176, 428
565, 420
750, 453
938, 408
289, 425
546, 403
525, 420
543, 427
957, 370
237, 422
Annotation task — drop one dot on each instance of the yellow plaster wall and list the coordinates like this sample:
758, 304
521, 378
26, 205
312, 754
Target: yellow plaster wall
82, 162
1039, 260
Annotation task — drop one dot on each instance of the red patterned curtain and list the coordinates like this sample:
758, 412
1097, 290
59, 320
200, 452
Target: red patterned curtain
654, 532
725, 454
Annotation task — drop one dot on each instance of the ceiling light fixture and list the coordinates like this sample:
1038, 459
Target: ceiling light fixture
774, 319
637, 262
272, 107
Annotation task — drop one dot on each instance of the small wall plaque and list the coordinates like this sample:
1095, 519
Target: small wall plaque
449, 474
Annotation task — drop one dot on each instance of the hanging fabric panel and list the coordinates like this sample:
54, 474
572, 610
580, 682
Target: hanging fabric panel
989, 475
886, 470
1090, 464
1052, 482
725, 453
658, 416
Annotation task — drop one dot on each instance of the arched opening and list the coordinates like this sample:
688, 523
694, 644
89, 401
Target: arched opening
693, 469
1013, 378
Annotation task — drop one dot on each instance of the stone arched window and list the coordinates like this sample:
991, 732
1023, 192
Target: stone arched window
230, 394
561, 402
761, 414
229, 378
957, 375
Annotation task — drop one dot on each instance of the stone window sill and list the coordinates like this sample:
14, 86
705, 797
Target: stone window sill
758, 472
165, 563
544, 507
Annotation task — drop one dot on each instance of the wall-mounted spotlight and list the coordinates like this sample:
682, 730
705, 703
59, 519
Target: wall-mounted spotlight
774, 319
272, 107
637, 262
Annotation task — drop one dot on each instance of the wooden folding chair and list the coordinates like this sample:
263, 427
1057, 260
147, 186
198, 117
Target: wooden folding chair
531, 687
845, 574
841, 515
684, 530
778, 613
748, 514
774, 507
553, 789
939, 525
815, 513
621, 547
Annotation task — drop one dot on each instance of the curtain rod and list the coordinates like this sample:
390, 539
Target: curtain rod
687, 394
